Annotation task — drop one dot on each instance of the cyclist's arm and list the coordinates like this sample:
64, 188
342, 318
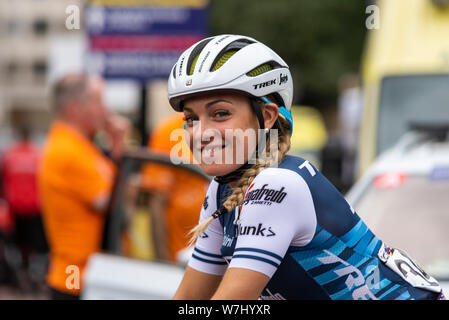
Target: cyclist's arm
197, 285
206, 265
241, 284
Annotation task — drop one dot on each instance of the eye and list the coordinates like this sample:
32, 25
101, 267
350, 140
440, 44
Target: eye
220, 114
189, 120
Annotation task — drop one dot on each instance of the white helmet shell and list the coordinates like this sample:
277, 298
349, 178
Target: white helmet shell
233, 73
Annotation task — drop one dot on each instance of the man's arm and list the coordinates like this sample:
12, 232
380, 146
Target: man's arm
117, 127
100, 203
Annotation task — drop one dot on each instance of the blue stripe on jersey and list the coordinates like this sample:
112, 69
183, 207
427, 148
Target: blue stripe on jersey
327, 277
380, 292
355, 234
389, 291
340, 295
321, 236
321, 269
373, 247
401, 294
405, 296
336, 285
337, 248
208, 261
381, 287
363, 243
247, 256
368, 262
309, 259
208, 254
332, 275
352, 233
357, 259
269, 253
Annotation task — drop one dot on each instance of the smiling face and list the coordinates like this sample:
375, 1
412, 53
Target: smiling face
221, 131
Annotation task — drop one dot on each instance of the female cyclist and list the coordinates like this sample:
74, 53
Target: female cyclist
276, 228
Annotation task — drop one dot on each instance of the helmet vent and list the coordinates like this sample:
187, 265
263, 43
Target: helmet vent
263, 68
174, 71
223, 59
259, 70
228, 52
195, 54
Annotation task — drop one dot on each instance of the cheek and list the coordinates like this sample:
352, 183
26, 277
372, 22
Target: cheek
188, 138
90, 114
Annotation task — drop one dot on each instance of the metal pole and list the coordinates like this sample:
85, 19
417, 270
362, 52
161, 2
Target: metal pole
142, 122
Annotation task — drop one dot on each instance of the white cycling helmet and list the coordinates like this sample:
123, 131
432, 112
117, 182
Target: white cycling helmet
231, 62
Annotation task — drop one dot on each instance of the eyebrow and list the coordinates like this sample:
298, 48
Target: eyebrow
209, 104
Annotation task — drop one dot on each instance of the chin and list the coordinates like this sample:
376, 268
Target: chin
217, 170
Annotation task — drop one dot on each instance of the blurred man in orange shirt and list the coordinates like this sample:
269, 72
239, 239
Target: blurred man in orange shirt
177, 195
76, 178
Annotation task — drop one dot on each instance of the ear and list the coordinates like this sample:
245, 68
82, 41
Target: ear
270, 113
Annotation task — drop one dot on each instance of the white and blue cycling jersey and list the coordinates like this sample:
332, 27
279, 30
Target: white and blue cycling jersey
295, 227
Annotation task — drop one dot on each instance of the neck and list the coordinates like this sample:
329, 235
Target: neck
75, 125
233, 184
232, 177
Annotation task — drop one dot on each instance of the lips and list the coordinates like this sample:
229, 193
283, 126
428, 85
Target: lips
210, 150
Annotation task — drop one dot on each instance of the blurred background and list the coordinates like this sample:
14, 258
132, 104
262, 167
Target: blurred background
371, 82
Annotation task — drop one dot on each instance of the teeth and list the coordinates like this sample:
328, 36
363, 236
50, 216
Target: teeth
213, 148
208, 150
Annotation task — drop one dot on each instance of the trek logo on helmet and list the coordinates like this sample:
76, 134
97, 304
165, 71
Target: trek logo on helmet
264, 84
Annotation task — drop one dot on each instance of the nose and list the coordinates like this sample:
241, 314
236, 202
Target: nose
203, 133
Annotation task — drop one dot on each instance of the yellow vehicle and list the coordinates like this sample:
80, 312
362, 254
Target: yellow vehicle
405, 73
309, 134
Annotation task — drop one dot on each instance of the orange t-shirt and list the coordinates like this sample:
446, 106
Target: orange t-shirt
185, 190
73, 174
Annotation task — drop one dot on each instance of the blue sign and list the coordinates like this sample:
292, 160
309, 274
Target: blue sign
141, 42
139, 66
145, 20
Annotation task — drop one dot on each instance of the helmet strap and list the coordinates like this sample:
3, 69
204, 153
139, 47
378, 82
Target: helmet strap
234, 175
258, 111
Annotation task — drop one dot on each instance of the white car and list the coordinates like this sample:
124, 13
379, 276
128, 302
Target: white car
404, 199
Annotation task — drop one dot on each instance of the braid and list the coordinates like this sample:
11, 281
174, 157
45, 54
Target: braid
238, 192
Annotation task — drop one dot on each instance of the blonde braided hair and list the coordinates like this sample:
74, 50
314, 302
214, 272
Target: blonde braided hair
238, 192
